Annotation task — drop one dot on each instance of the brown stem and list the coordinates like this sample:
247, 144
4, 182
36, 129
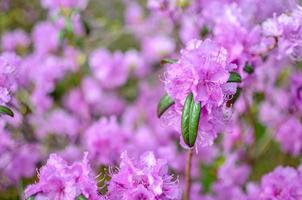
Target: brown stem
188, 176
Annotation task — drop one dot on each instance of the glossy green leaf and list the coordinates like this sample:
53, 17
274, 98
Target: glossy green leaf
81, 197
234, 77
168, 61
7, 111
248, 69
194, 122
164, 103
185, 119
190, 120
204, 32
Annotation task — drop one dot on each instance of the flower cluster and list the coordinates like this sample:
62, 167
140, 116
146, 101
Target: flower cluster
105, 140
202, 69
109, 69
8, 80
58, 180
286, 29
146, 178
282, 183
110, 77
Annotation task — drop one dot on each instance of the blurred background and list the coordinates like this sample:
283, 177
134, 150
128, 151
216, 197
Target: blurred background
64, 97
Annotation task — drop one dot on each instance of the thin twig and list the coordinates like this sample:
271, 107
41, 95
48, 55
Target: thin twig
188, 176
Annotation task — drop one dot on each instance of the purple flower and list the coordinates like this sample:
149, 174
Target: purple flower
58, 180
110, 69
232, 173
21, 162
8, 83
101, 102
225, 191
203, 70
156, 47
296, 90
60, 4
75, 102
289, 135
287, 30
146, 178
284, 183
135, 62
105, 140
45, 37
48, 124
14, 39
17, 160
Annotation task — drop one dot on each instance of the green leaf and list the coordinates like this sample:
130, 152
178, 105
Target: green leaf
31, 198
194, 122
7, 111
81, 197
183, 3
204, 32
62, 35
164, 103
190, 120
185, 119
234, 78
168, 61
86, 26
248, 68
68, 25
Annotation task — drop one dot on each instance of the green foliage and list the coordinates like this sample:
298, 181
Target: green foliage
130, 90
6, 111
248, 68
21, 14
81, 197
168, 61
190, 120
234, 78
165, 102
209, 173
204, 32
268, 156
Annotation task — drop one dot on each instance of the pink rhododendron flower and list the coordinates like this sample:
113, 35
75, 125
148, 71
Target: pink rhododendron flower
146, 178
100, 143
109, 69
203, 70
14, 39
283, 183
59, 4
8, 75
59, 180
